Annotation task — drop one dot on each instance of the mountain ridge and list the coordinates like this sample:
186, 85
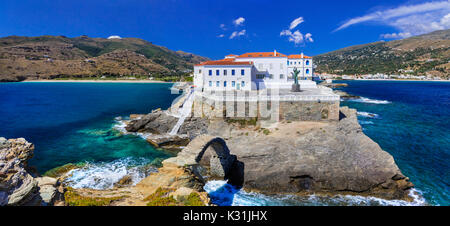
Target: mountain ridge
50, 57
427, 54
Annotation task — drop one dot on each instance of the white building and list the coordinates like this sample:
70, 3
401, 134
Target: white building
254, 71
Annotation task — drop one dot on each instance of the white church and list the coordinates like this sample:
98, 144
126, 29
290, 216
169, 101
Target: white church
254, 71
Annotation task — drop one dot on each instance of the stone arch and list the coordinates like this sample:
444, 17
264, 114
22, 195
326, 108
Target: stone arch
216, 156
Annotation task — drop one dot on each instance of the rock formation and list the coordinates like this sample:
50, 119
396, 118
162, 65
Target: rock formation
17, 186
300, 157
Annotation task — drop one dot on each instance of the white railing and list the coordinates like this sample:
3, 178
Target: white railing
281, 97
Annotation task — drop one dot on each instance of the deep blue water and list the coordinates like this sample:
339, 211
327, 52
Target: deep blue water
72, 122
412, 123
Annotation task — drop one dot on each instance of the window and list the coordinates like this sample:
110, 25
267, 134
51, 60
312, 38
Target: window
199, 71
281, 76
242, 72
295, 62
307, 62
217, 72
242, 84
233, 83
217, 84
225, 84
224, 72
210, 83
260, 76
288, 62
232, 72
307, 71
210, 72
270, 76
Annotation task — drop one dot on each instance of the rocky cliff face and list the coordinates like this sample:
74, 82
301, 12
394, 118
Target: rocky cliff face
17, 186
301, 157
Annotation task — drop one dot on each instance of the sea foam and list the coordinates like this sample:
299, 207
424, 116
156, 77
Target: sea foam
369, 101
367, 114
224, 194
104, 175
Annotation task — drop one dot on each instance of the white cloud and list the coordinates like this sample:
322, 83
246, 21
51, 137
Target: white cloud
409, 19
396, 35
296, 36
296, 22
239, 21
222, 26
308, 37
114, 37
221, 36
237, 34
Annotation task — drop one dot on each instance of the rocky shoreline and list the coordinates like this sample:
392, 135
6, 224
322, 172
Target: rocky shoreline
301, 157
328, 158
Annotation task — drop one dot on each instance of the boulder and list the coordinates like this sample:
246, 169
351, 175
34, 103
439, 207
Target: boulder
48, 189
17, 186
182, 192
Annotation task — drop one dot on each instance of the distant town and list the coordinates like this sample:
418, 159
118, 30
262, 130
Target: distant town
381, 76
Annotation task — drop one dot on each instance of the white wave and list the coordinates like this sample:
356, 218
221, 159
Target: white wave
105, 175
121, 124
222, 193
367, 114
369, 101
365, 122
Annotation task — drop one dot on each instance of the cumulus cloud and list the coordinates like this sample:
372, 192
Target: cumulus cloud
114, 37
237, 34
308, 37
221, 36
409, 20
296, 36
396, 35
239, 21
296, 22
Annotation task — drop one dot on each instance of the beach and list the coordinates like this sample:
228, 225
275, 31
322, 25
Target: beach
99, 81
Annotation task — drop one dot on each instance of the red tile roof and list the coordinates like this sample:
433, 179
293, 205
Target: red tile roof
298, 56
261, 54
231, 55
224, 62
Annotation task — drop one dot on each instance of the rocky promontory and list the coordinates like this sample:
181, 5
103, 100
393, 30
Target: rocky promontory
302, 157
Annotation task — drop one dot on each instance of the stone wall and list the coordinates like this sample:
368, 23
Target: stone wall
285, 110
309, 111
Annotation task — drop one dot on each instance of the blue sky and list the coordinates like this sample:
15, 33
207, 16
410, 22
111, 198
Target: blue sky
215, 28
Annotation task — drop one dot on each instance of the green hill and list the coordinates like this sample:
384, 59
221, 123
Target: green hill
427, 54
49, 57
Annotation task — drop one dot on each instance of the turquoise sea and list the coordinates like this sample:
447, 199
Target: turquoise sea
75, 123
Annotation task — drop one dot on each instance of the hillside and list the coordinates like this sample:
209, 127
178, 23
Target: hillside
427, 54
50, 57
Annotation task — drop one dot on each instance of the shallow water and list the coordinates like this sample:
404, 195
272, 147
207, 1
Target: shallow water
74, 122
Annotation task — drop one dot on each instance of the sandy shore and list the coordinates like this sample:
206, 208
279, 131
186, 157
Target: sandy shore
100, 81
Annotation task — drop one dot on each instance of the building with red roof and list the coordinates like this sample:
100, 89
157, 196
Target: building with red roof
254, 71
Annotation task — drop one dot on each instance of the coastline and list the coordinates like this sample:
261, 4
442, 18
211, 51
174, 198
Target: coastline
396, 80
98, 81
